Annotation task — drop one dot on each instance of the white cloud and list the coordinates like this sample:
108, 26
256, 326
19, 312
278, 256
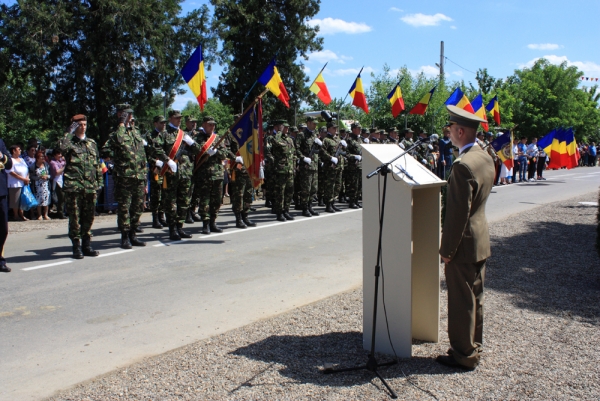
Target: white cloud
306, 69
589, 68
349, 71
326, 56
544, 46
425, 20
181, 101
427, 70
331, 26
453, 27
396, 9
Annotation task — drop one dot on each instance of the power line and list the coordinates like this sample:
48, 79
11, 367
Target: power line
474, 73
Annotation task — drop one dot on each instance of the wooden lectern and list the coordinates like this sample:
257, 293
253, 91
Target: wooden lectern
410, 279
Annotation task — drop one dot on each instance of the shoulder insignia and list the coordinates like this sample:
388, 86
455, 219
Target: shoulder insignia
457, 160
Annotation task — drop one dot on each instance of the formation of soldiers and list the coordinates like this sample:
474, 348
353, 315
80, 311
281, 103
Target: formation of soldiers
304, 166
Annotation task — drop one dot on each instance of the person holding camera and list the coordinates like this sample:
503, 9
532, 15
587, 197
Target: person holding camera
82, 179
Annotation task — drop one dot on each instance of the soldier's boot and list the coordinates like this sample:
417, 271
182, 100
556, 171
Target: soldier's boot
352, 205
139, 229
173, 233
329, 208
280, 217
161, 219
196, 216
298, 205
239, 223
125, 244
311, 210
268, 203
335, 208
77, 253
321, 203
205, 227
287, 215
188, 218
155, 222
133, 239
213, 226
87, 247
305, 211
247, 221
182, 234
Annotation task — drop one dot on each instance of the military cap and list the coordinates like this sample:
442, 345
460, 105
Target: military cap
286, 125
295, 129
463, 117
159, 119
342, 130
382, 132
122, 107
208, 120
355, 125
408, 131
373, 130
480, 133
363, 130
279, 122
446, 128
322, 128
174, 113
423, 131
311, 119
393, 129
78, 117
331, 124
190, 119
489, 134
302, 126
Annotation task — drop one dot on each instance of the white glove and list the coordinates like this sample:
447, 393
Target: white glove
144, 142
423, 161
172, 165
358, 157
187, 139
211, 151
334, 160
318, 142
239, 159
159, 163
307, 160
366, 140
344, 144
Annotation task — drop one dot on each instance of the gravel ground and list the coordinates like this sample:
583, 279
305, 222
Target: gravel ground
541, 336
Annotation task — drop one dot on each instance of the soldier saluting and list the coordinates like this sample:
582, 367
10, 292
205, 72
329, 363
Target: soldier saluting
82, 179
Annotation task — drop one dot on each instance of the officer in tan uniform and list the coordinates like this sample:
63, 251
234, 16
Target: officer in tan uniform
465, 244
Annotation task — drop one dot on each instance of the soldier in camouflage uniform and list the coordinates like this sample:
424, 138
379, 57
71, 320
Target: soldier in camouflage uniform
127, 148
332, 166
320, 171
267, 185
82, 178
179, 173
407, 142
374, 136
342, 194
354, 167
191, 217
281, 155
364, 134
209, 179
307, 152
422, 151
156, 181
393, 136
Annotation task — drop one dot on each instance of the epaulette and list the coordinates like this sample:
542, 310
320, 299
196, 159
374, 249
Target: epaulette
457, 160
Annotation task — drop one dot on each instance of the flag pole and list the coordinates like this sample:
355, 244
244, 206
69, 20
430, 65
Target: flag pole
253, 85
344, 101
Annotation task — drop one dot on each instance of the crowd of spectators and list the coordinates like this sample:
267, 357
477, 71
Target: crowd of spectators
588, 154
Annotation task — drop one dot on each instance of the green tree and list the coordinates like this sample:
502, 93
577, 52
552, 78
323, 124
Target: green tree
84, 57
253, 32
222, 113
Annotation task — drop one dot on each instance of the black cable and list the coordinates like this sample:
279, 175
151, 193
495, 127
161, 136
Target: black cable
474, 73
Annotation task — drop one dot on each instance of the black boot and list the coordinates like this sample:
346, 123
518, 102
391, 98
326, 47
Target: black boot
321, 203
77, 253
182, 234
239, 223
161, 219
287, 215
87, 247
173, 233
328, 208
188, 218
196, 216
213, 226
268, 203
134, 240
139, 230
205, 227
247, 221
334, 207
305, 211
155, 222
125, 244
311, 210
280, 217
352, 205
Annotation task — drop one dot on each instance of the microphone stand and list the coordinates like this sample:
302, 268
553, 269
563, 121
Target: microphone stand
372, 365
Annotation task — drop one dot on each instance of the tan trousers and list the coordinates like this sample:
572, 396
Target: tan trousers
465, 310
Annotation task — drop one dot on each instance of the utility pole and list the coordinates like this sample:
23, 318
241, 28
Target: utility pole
441, 59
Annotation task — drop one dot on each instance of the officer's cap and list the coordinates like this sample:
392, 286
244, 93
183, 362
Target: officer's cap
355, 125
78, 117
342, 130
363, 130
463, 117
408, 131
190, 119
279, 122
174, 113
393, 129
295, 129
373, 130
382, 132
331, 125
123, 107
159, 119
208, 120
286, 125
311, 119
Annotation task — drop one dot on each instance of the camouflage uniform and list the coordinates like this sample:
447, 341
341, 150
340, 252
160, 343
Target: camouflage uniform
308, 178
354, 169
332, 172
240, 184
209, 181
268, 169
280, 155
127, 148
156, 180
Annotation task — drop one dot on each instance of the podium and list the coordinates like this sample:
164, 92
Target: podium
410, 279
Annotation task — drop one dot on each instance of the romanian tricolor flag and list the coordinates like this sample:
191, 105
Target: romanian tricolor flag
503, 146
494, 108
395, 98
459, 99
477, 105
103, 167
272, 80
561, 147
421, 107
248, 133
319, 88
358, 94
193, 73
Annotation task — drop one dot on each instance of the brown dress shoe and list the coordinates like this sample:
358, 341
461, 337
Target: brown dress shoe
4, 269
448, 360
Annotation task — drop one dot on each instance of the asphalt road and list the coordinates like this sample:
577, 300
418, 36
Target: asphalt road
64, 321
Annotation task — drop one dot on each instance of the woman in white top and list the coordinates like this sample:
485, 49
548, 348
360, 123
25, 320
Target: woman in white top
18, 176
